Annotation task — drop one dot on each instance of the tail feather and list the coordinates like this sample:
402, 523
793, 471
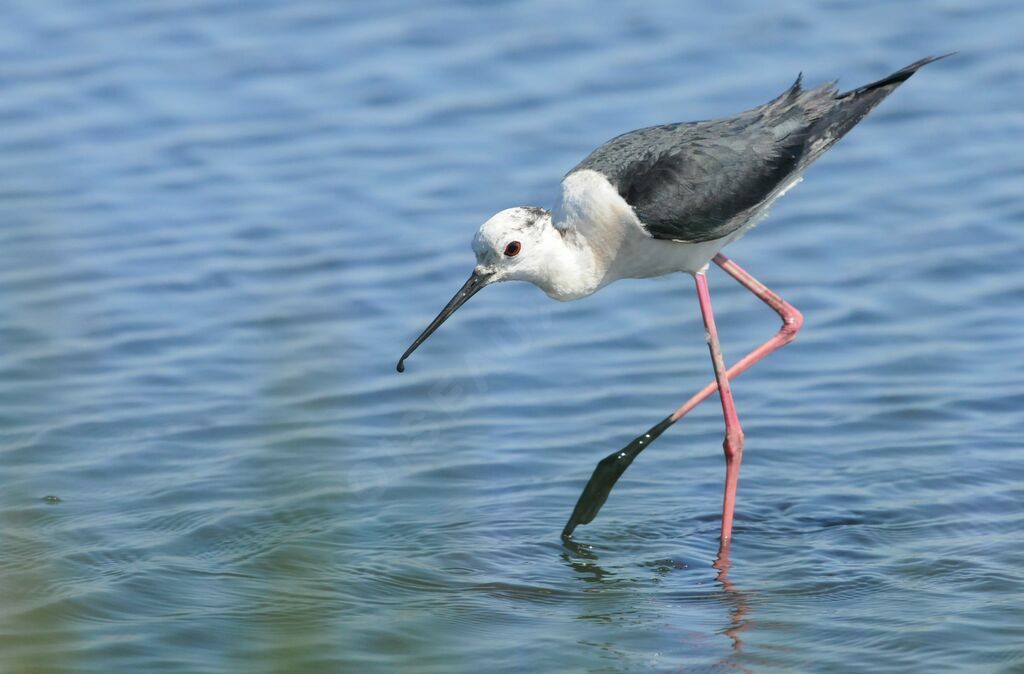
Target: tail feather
852, 106
894, 80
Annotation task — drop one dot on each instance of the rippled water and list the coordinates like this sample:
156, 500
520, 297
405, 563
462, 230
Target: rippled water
222, 222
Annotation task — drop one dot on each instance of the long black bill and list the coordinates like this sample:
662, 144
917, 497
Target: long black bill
471, 287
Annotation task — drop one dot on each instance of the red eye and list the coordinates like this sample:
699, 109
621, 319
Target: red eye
513, 248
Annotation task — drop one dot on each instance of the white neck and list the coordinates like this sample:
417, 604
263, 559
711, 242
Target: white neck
569, 269
599, 232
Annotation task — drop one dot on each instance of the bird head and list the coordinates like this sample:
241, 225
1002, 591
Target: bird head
511, 246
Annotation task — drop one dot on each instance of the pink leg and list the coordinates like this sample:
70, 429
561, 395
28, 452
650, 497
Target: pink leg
611, 468
733, 443
792, 320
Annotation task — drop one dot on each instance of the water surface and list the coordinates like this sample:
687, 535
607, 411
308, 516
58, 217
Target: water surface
223, 222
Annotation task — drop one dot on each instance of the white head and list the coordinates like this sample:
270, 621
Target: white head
517, 244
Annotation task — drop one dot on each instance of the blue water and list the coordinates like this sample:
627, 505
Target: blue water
222, 222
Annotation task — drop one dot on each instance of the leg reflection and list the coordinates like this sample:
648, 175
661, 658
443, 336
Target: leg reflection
738, 621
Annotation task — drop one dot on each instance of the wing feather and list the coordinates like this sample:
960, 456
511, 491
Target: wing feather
702, 181
696, 181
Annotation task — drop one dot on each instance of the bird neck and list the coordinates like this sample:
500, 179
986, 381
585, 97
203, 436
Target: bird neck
571, 269
583, 256
599, 230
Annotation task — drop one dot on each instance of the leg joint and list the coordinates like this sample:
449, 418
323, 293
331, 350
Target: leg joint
792, 321
733, 441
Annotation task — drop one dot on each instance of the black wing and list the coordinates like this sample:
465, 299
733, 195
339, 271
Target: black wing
703, 180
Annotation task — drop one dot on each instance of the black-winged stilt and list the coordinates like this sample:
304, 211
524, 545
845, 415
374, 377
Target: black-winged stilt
667, 199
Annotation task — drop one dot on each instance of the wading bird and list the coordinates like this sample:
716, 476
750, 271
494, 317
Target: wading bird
667, 199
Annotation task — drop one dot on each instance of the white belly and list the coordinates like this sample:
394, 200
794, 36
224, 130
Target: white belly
643, 256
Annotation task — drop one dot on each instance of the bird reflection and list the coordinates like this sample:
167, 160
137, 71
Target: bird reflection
583, 560
738, 621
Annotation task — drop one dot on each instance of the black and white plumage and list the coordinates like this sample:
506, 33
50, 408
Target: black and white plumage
666, 198
699, 181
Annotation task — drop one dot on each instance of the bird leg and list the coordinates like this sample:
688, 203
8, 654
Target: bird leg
733, 443
614, 465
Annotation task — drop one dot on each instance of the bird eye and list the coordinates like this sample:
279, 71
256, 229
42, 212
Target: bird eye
513, 248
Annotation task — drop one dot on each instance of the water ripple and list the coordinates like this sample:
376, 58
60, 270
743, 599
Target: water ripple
224, 222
